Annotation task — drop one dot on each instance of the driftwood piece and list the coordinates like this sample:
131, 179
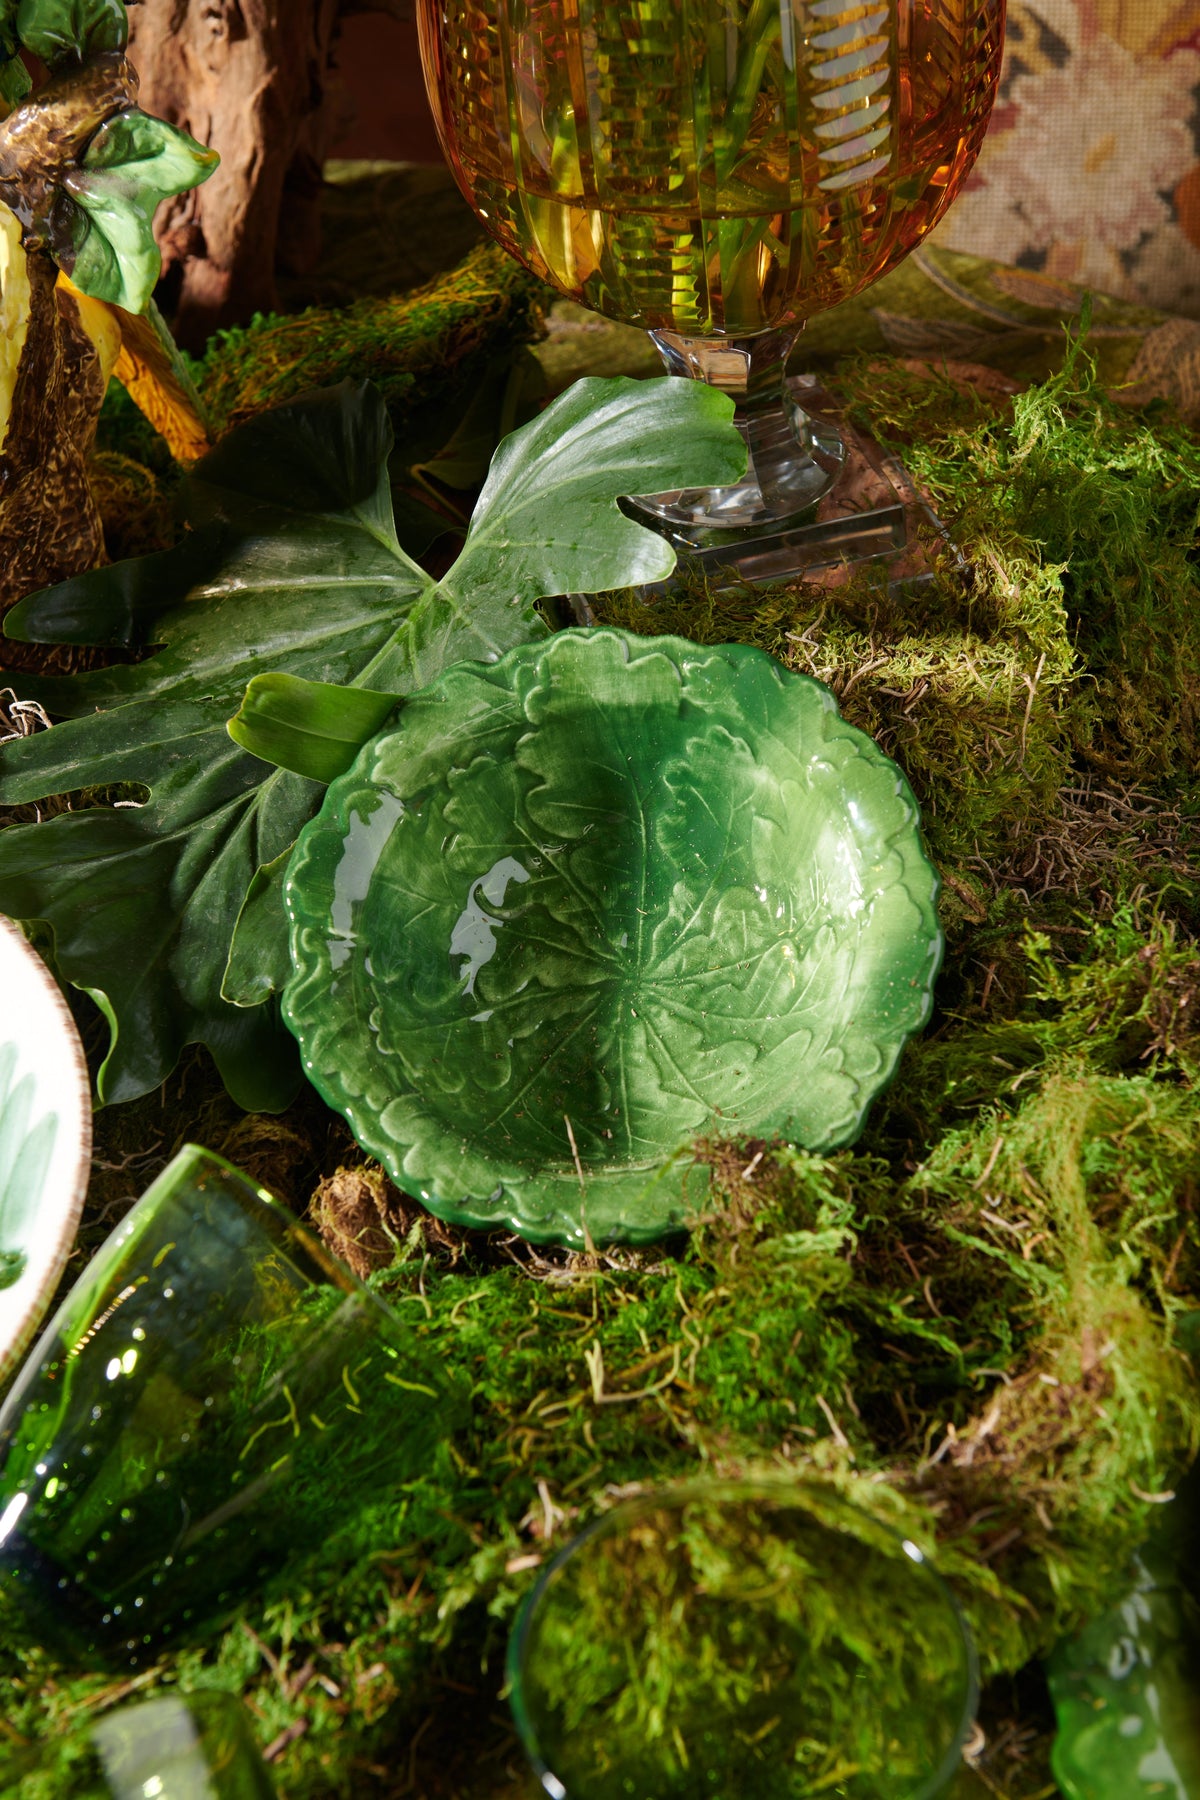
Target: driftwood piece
251, 79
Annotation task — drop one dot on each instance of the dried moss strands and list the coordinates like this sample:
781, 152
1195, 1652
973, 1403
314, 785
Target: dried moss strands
1110, 497
1128, 1003
1066, 1452
974, 1321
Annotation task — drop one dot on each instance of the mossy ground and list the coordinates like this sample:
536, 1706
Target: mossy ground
976, 1321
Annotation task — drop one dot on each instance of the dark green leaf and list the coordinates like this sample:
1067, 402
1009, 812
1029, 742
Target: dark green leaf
259, 963
14, 81
314, 728
134, 894
508, 395
293, 567
144, 901
131, 164
547, 523
71, 30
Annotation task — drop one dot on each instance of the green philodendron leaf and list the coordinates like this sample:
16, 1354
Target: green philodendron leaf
259, 960
508, 394
606, 895
314, 728
292, 566
132, 163
62, 31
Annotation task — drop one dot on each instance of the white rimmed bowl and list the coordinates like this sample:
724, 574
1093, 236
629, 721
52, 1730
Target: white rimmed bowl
45, 1140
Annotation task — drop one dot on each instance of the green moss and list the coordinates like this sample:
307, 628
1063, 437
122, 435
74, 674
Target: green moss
430, 346
1107, 498
973, 1322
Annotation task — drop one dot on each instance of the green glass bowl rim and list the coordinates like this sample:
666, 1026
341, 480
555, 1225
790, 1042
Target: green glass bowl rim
368, 1132
677, 1494
275, 1215
279, 1225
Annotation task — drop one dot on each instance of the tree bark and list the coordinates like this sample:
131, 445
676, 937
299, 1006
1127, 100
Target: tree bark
250, 78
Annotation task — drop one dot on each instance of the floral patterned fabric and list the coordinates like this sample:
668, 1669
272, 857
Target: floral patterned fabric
1091, 169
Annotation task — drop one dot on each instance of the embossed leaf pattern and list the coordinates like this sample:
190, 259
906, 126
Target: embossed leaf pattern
26, 1145
648, 888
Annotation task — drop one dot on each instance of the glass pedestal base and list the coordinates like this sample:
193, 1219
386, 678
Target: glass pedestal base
870, 510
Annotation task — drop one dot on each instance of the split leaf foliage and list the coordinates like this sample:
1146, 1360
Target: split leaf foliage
169, 912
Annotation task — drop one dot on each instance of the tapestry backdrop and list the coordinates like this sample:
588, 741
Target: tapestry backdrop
1091, 168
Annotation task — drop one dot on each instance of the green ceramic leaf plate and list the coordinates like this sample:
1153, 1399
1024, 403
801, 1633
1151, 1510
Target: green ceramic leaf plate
581, 906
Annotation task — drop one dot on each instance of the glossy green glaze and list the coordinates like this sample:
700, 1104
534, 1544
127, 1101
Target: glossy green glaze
588, 903
1125, 1695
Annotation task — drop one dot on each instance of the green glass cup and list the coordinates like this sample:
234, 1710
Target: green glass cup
216, 1397
742, 1640
1124, 1692
196, 1746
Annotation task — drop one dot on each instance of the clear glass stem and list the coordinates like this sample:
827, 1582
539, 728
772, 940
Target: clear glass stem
794, 458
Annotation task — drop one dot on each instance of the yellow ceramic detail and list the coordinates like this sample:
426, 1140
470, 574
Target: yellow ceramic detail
101, 323
14, 310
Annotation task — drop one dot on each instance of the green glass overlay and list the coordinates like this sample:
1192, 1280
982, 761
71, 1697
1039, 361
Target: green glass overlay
741, 1641
587, 903
1125, 1695
196, 1746
215, 1398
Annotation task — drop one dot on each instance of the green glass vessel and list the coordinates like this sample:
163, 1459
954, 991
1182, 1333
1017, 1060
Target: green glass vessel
753, 1640
173, 1746
587, 904
1127, 1694
216, 1398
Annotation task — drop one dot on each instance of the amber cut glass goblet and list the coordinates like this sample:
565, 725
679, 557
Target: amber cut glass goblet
716, 171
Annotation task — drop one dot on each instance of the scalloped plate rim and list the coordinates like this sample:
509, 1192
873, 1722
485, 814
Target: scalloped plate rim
469, 1210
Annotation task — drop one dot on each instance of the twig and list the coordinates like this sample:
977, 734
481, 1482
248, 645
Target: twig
990, 1163
588, 1245
1032, 686
838, 1435
287, 1736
